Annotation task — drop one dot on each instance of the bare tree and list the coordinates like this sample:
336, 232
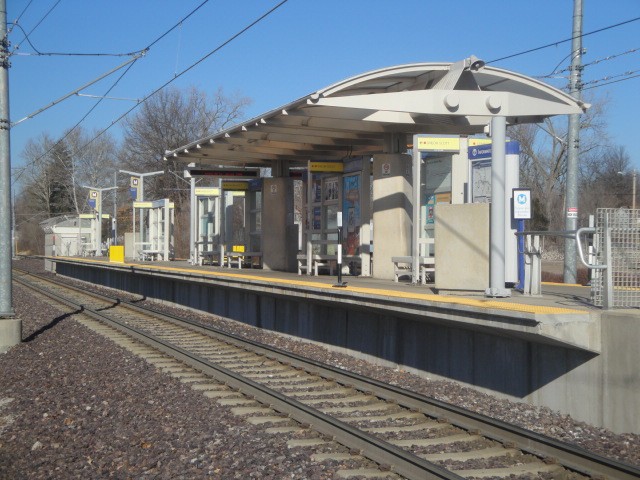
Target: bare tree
543, 160
167, 120
53, 173
603, 182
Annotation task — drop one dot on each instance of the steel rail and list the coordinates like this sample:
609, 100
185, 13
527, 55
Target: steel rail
402, 462
570, 456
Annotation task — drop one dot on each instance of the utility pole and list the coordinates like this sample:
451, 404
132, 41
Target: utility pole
633, 190
573, 139
10, 327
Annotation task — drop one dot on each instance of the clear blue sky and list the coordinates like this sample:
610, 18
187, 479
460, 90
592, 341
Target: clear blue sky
301, 47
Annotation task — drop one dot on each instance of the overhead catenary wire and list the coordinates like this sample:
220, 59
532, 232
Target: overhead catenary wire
131, 63
70, 94
67, 54
15, 22
176, 76
596, 84
37, 24
555, 44
19, 175
136, 55
584, 65
192, 66
103, 54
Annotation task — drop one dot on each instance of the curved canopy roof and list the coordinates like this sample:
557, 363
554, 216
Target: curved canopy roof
351, 117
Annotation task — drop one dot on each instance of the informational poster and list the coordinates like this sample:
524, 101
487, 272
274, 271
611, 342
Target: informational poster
317, 218
351, 211
317, 190
431, 205
331, 189
481, 181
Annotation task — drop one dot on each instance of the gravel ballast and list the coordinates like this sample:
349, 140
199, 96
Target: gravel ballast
75, 405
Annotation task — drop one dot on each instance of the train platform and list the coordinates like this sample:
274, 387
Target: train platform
562, 314
551, 350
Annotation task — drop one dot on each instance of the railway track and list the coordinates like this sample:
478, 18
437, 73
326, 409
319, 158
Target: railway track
406, 434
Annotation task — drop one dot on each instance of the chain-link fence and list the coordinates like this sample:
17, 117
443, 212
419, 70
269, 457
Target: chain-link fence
616, 245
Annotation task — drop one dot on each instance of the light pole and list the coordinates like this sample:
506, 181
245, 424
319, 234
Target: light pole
634, 174
633, 190
98, 244
141, 176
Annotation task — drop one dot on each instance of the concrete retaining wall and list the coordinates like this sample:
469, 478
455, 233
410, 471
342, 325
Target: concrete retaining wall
600, 389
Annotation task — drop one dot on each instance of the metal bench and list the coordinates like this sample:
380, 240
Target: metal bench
327, 261
404, 265
240, 258
317, 262
210, 256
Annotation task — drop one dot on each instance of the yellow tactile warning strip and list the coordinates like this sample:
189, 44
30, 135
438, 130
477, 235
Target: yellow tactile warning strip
563, 284
469, 302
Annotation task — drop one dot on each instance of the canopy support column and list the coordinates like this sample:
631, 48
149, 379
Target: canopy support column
498, 206
415, 229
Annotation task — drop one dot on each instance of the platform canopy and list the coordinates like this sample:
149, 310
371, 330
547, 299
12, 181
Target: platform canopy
351, 117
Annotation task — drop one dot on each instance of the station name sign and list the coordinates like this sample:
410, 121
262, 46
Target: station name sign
207, 192
237, 186
223, 172
439, 144
318, 167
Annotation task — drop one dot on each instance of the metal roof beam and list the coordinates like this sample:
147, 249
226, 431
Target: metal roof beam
295, 141
452, 103
309, 131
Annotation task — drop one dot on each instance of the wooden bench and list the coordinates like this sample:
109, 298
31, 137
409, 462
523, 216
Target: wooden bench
240, 258
404, 265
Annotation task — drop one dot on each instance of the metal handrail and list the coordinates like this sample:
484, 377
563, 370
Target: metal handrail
579, 233
548, 233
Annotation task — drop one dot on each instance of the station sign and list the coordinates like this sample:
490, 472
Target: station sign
522, 204
439, 144
154, 204
318, 167
474, 142
94, 215
237, 186
207, 192
485, 151
134, 187
224, 173
94, 199
255, 185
